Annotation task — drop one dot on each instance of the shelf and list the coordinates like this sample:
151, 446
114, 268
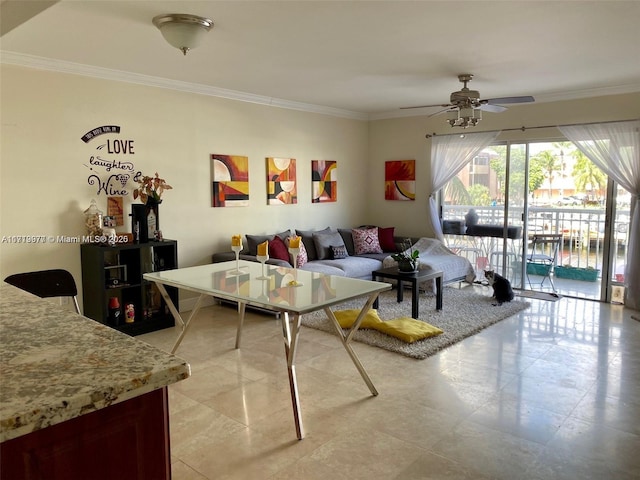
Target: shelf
103, 265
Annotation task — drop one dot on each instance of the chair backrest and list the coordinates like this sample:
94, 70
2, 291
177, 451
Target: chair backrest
546, 240
46, 284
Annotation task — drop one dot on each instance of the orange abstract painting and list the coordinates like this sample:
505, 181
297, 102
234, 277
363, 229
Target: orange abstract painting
400, 180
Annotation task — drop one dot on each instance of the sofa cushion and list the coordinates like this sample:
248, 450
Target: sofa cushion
386, 238
347, 237
307, 239
354, 267
278, 249
251, 248
324, 242
366, 240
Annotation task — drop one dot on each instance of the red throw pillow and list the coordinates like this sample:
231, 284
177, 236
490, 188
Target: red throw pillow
385, 235
277, 249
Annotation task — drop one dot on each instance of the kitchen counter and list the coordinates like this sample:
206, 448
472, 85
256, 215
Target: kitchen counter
57, 366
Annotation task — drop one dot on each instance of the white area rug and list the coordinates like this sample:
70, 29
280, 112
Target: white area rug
465, 311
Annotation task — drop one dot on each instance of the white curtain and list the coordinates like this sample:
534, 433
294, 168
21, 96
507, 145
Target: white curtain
615, 149
449, 153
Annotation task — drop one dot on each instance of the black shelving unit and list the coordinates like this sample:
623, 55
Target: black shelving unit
117, 272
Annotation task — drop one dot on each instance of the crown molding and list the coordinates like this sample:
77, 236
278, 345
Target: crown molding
42, 63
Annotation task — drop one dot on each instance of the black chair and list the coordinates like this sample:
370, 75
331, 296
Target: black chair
47, 284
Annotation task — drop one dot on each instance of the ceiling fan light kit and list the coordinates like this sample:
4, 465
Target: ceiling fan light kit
464, 117
182, 30
467, 106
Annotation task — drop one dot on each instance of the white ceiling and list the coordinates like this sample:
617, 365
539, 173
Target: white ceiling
361, 58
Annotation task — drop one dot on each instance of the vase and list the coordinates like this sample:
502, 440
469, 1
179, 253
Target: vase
408, 265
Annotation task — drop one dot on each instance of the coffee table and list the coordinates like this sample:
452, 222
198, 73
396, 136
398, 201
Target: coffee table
281, 289
414, 278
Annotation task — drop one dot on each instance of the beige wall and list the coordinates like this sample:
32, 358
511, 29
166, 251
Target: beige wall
44, 187
43, 178
404, 138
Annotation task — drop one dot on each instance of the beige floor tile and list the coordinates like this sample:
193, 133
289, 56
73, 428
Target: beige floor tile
549, 394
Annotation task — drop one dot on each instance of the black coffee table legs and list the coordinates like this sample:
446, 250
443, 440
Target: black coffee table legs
415, 293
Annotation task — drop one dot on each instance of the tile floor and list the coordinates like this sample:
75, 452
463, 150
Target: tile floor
552, 393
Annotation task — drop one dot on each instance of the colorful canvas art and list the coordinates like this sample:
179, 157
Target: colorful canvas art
281, 181
230, 185
400, 180
324, 185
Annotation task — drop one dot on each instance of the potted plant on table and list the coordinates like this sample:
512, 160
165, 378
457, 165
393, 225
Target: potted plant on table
408, 259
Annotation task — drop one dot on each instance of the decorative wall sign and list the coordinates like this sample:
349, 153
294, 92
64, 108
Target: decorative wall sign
324, 181
230, 181
109, 163
281, 181
400, 180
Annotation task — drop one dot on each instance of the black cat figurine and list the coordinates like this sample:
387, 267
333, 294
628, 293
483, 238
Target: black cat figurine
502, 290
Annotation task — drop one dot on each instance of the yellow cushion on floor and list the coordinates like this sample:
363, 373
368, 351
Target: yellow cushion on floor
406, 329
346, 318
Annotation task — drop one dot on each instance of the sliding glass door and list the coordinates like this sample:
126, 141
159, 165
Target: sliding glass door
546, 190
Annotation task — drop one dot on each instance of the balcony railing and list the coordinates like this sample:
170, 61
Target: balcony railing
582, 230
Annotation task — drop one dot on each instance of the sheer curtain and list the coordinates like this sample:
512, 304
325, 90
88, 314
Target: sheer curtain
615, 149
449, 153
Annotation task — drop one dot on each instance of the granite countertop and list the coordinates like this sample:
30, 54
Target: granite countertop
56, 365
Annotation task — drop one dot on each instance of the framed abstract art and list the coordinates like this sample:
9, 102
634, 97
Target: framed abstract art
281, 181
400, 180
324, 184
230, 181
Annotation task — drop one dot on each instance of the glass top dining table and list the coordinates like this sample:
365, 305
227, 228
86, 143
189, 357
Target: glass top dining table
293, 292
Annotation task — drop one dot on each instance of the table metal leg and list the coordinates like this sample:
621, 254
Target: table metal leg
290, 334
176, 315
241, 310
346, 339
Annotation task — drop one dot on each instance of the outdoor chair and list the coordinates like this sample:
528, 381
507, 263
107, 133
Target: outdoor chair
47, 284
542, 257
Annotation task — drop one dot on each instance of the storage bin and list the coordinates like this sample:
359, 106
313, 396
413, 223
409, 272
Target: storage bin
574, 273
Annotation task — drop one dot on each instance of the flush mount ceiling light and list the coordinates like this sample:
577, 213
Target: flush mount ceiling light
182, 30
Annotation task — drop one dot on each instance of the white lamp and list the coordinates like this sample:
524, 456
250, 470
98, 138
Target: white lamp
182, 30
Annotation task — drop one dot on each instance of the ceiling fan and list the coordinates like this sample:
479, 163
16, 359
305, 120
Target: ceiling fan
466, 106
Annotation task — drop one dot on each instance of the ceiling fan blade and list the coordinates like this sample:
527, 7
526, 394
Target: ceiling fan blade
440, 111
507, 100
488, 107
427, 106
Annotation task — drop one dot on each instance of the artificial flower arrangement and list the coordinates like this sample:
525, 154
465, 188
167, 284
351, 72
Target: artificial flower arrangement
151, 188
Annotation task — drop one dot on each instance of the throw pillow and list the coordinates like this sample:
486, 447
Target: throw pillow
366, 241
348, 240
338, 252
278, 249
387, 243
302, 257
251, 248
323, 243
307, 239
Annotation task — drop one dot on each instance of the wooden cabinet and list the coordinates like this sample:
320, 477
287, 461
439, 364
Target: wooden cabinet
116, 273
128, 440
